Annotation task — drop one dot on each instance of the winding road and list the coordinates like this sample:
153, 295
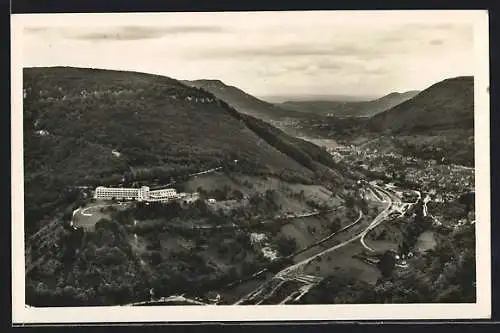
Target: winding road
295, 271
306, 261
258, 295
379, 218
268, 289
84, 211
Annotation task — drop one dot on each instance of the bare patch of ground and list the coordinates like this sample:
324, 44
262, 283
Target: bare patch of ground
89, 215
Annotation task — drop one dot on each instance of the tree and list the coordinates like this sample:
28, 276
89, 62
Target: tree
247, 268
156, 258
237, 195
426, 222
468, 200
232, 274
386, 264
350, 202
335, 225
223, 249
255, 199
67, 216
285, 245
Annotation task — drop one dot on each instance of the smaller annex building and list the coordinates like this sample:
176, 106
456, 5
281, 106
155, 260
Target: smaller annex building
140, 194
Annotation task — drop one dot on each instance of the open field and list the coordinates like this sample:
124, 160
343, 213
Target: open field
340, 260
312, 229
249, 185
380, 246
211, 182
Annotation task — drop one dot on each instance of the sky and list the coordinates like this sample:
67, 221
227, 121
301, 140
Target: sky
264, 53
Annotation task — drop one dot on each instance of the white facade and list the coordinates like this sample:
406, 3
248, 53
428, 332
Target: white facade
108, 193
162, 195
139, 194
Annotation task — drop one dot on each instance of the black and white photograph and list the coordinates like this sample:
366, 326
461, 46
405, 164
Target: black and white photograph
197, 166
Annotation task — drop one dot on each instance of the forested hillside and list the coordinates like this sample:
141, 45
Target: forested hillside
436, 124
89, 127
446, 105
245, 103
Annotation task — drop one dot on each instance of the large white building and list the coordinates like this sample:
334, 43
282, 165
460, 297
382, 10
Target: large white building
162, 195
139, 194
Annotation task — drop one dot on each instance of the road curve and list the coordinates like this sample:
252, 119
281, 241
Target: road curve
83, 211
281, 274
376, 221
307, 260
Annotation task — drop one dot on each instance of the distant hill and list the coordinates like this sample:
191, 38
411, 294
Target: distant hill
436, 124
448, 104
277, 99
350, 108
89, 127
243, 102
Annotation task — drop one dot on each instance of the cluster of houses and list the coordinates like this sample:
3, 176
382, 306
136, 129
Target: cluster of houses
441, 184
